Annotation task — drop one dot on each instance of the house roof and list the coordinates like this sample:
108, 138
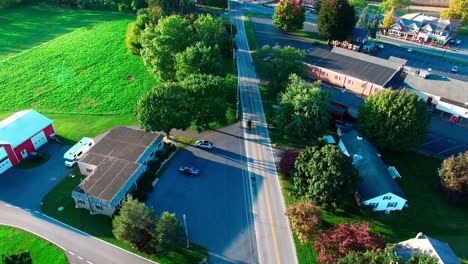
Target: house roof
376, 180
427, 245
359, 33
451, 90
21, 126
355, 64
115, 157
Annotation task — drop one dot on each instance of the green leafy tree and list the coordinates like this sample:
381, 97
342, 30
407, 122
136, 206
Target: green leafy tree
374, 25
458, 9
389, 20
172, 35
199, 59
417, 258
394, 120
207, 99
164, 108
171, 7
317, 5
278, 63
363, 18
325, 175
214, 32
21, 258
168, 234
305, 218
375, 256
336, 19
289, 15
134, 224
134, 31
302, 111
9, 3
358, 4
386, 5
454, 177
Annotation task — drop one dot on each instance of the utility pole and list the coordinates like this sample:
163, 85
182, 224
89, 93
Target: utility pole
186, 231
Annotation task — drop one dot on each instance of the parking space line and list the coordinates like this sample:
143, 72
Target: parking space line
432, 141
71, 253
451, 148
80, 258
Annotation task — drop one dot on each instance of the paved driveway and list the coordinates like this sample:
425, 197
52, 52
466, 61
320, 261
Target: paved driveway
217, 203
26, 187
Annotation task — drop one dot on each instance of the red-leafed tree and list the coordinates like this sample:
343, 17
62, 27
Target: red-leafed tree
287, 162
345, 238
289, 15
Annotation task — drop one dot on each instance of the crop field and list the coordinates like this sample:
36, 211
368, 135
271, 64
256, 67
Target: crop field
15, 241
70, 64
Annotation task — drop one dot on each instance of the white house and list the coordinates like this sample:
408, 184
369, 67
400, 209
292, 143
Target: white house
113, 166
377, 189
423, 244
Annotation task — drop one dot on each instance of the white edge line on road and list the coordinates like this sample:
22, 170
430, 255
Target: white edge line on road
37, 212
71, 253
32, 232
89, 262
84, 233
80, 258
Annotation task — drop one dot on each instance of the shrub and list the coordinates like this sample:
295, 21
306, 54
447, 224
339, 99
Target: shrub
305, 218
131, 39
146, 182
21, 258
140, 195
287, 162
454, 178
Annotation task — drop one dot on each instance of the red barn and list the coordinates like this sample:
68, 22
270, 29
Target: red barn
21, 134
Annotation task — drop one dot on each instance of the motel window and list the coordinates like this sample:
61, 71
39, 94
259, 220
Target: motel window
89, 170
81, 201
350, 81
391, 205
160, 145
373, 205
99, 207
363, 85
387, 197
313, 70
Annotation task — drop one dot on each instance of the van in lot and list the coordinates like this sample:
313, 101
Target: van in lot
77, 151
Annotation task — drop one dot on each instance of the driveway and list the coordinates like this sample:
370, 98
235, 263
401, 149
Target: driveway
217, 204
26, 187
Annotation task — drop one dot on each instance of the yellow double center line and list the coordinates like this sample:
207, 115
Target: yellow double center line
267, 194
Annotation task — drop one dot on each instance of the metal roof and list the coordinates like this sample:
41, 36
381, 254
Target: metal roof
427, 245
21, 126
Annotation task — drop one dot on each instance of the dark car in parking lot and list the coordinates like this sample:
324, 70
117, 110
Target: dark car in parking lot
189, 170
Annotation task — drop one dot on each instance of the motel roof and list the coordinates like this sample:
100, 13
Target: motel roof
355, 64
376, 179
115, 157
21, 126
450, 90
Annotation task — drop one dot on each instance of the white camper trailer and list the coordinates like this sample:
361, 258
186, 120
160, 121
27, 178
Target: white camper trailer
77, 151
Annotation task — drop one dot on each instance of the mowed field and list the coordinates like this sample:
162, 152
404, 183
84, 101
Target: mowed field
15, 241
71, 65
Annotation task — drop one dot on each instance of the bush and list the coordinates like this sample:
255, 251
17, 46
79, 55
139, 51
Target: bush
305, 218
21, 258
131, 39
9, 3
140, 195
287, 162
454, 178
215, 3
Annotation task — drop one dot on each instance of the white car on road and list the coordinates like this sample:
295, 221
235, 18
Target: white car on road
204, 144
455, 69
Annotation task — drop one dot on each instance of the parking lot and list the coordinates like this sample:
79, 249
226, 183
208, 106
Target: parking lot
26, 187
217, 202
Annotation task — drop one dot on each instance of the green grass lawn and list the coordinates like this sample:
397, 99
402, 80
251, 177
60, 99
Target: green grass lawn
15, 241
101, 226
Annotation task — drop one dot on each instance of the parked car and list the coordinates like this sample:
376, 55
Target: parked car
309, 50
189, 170
380, 46
455, 69
35, 156
455, 41
204, 144
410, 50
267, 59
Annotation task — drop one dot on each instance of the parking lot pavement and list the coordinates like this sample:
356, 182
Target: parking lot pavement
26, 187
217, 203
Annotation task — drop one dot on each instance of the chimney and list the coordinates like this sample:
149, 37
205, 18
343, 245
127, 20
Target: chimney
420, 236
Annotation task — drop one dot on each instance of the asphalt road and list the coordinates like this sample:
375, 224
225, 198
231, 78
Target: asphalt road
274, 237
217, 203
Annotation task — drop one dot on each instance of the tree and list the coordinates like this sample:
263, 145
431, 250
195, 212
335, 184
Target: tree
214, 32
386, 5
164, 108
374, 256
336, 19
317, 5
172, 7
279, 64
389, 20
342, 239
172, 35
168, 234
287, 162
207, 99
134, 224
289, 15
302, 109
363, 18
418, 258
325, 175
134, 31
374, 25
394, 120
199, 59
305, 218
21, 258
358, 4
458, 9
453, 176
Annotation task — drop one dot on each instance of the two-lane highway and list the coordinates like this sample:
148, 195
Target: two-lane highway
273, 234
